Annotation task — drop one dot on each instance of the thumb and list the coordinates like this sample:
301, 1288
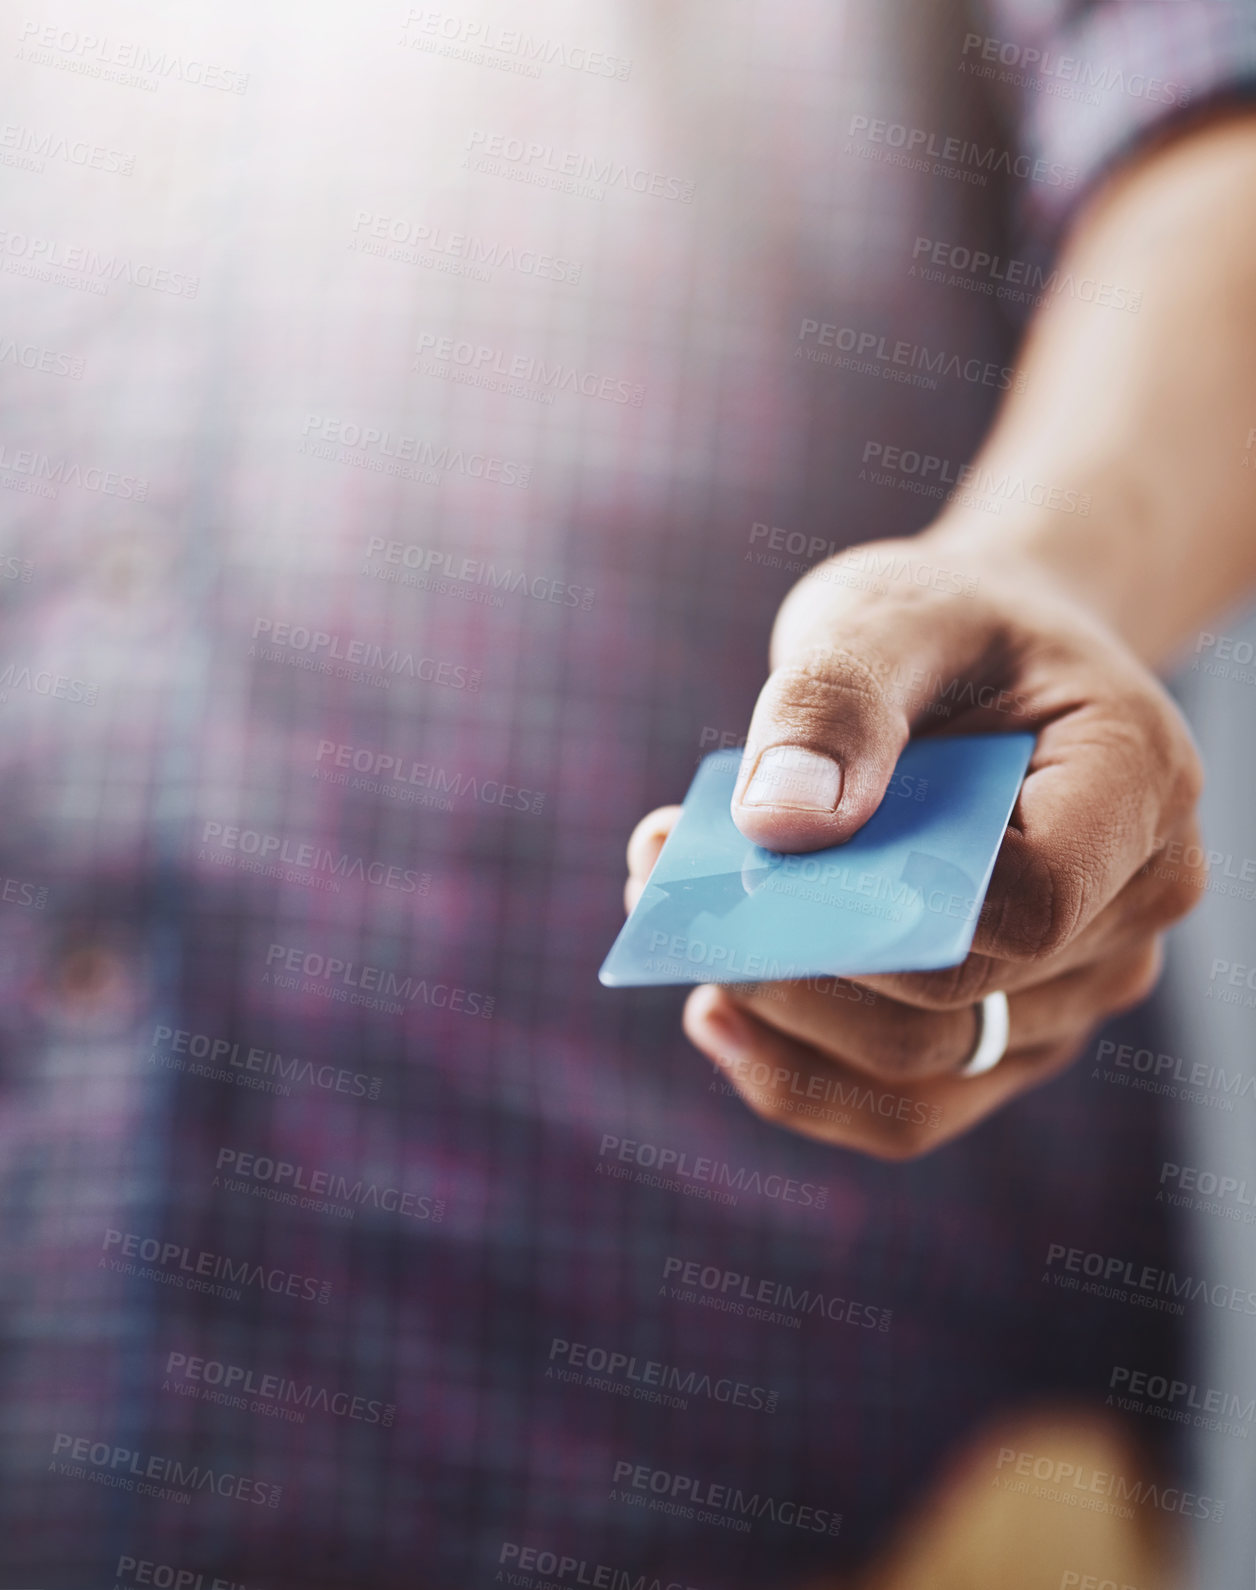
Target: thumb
822, 745
832, 719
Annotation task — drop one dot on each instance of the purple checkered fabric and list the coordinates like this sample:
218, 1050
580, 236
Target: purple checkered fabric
394, 516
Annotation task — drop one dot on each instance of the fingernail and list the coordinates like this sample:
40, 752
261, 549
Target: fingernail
802, 780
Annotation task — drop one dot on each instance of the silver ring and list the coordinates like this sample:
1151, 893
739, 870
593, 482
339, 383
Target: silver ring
993, 1023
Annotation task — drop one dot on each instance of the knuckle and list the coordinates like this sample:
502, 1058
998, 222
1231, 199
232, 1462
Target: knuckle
1189, 784
1135, 981
1162, 761
1180, 892
826, 665
1168, 740
954, 987
826, 682
887, 1045
1188, 892
904, 1048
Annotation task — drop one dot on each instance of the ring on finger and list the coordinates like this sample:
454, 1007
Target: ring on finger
993, 1025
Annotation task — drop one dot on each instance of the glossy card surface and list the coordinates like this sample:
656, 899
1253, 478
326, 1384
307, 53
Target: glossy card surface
902, 895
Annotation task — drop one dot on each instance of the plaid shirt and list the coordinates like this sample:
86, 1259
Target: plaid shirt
405, 517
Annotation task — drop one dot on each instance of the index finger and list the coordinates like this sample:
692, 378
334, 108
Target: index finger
647, 838
1100, 788
1103, 782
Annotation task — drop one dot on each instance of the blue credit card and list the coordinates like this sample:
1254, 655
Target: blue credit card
901, 895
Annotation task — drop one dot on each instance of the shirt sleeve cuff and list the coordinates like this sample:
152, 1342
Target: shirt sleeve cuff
1118, 76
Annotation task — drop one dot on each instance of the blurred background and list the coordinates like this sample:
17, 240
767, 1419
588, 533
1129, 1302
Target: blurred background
410, 427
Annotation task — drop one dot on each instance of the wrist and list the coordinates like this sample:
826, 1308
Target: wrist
1078, 545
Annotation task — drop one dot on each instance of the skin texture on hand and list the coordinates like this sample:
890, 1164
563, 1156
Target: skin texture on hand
1061, 618
1070, 929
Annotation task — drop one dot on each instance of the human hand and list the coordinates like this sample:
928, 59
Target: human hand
1070, 929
